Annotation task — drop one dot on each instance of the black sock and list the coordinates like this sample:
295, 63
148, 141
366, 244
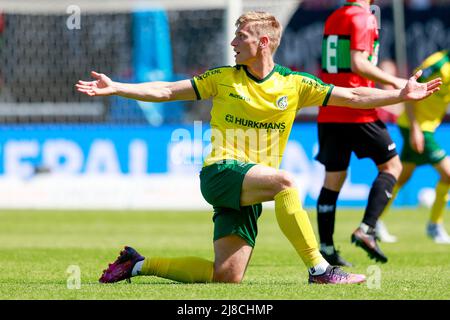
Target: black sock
379, 196
326, 212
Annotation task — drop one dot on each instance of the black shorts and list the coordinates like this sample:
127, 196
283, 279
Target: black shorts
337, 141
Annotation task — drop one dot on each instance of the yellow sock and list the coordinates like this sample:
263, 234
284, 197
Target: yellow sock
388, 206
295, 224
186, 269
438, 208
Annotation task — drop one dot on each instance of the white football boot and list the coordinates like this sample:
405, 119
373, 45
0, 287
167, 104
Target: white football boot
436, 231
382, 233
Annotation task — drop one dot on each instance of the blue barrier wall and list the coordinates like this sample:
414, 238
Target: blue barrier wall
140, 150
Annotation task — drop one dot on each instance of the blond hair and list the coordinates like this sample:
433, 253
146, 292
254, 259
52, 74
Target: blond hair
263, 23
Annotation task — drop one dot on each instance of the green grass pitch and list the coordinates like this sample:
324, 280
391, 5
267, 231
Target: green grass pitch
37, 248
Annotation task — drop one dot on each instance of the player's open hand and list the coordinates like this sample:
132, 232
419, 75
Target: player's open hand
417, 91
102, 86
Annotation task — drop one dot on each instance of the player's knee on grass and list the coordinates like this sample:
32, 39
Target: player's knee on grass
230, 271
227, 275
232, 255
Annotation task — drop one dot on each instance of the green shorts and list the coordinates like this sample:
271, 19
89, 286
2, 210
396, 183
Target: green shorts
432, 154
221, 185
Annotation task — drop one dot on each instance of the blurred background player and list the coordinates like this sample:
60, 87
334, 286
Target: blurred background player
237, 178
349, 58
417, 125
388, 114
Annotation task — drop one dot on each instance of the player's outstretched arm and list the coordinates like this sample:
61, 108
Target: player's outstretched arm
157, 91
364, 97
361, 65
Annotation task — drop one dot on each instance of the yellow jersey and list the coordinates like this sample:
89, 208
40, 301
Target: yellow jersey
430, 111
251, 118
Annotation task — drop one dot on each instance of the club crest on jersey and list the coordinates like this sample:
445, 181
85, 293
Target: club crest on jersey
282, 103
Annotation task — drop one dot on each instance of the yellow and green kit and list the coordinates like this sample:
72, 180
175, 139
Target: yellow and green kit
251, 120
428, 112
